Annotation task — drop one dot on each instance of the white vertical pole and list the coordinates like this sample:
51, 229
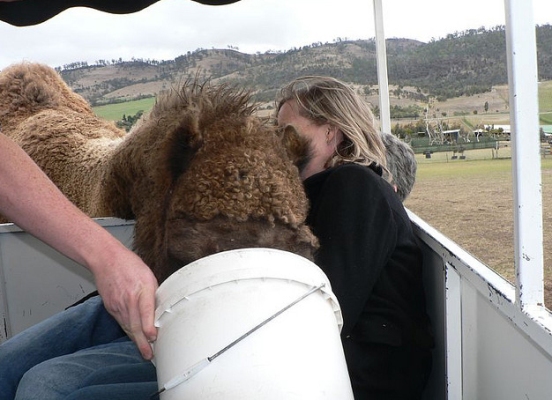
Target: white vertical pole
526, 166
385, 113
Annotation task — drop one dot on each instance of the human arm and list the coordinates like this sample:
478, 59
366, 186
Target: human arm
33, 202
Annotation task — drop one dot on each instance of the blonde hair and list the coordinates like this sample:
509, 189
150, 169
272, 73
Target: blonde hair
325, 100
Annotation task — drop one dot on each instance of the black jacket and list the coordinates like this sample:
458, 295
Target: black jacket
370, 255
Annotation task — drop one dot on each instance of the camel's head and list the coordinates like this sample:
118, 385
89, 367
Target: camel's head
212, 177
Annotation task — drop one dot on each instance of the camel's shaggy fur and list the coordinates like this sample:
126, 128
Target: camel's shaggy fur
58, 129
200, 173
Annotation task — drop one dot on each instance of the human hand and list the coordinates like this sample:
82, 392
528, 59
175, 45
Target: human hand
33, 202
127, 287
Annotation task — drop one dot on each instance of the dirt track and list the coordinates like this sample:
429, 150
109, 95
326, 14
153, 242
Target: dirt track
473, 206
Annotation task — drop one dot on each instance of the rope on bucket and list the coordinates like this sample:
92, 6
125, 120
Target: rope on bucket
194, 369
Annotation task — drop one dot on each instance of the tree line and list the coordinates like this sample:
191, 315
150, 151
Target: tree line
462, 63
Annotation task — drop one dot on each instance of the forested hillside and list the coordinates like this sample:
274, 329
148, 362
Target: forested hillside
463, 63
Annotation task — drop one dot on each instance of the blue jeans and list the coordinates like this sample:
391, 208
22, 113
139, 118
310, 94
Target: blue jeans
60, 377
83, 326
121, 382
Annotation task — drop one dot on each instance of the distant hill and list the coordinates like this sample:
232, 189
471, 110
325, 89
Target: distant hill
462, 64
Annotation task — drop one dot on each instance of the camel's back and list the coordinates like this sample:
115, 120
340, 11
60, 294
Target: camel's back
57, 128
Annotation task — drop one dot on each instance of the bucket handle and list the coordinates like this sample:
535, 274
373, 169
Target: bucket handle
194, 369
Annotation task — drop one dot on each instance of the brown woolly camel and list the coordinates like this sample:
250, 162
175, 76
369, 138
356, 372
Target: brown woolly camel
200, 174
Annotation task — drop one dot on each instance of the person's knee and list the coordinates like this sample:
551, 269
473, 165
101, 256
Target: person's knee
56, 378
52, 380
123, 373
120, 391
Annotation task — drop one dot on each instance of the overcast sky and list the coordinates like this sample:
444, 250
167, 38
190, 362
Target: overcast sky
170, 28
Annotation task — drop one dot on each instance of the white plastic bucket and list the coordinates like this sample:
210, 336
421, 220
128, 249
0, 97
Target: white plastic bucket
208, 304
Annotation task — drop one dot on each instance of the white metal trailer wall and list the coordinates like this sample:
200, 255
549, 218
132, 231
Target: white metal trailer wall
487, 346
37, 281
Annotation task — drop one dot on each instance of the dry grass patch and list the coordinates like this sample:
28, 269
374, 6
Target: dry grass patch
471, 202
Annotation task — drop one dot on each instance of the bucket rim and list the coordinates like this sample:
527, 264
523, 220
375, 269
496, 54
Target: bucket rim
211, 271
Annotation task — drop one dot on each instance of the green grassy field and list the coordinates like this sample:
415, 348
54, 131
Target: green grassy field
477, 163
471, 166
545, 96
545, 102
115, 112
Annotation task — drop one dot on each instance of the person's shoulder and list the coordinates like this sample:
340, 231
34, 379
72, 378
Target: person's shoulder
356, 178
345, 180
352, 172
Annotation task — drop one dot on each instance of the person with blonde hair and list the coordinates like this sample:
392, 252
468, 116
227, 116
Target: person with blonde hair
348, 121
367, 246
368, 251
